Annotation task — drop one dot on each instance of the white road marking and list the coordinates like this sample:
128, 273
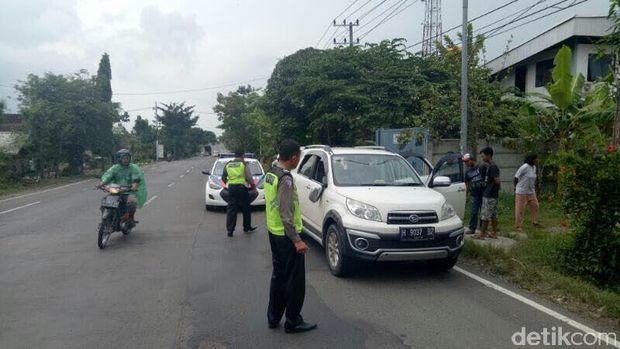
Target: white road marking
188, 171
542, 308
181, 176
171, 184
20, 207
45, 191
150, 200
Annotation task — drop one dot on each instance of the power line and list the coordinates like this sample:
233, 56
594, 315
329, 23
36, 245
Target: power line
503, 18
523, 13
391, 15
373, 9
398, 2
189, 90
492, 31
346, 9
538, 18
472, 20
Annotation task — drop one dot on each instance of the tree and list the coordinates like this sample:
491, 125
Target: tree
342, 96
234, 113
104, 78
63, 118
177, 121
144, 137
490, 114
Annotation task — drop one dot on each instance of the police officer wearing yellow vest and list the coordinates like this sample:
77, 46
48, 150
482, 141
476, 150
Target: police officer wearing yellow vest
288, 280
237, 177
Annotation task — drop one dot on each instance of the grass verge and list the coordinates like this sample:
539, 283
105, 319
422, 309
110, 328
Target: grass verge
533, 264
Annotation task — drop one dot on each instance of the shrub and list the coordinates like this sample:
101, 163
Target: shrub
590, 186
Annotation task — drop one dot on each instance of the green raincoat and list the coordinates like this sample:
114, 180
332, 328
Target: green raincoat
124, 176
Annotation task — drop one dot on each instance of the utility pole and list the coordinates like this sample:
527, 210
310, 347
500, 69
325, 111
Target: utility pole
350, 25
156, 133
464, 81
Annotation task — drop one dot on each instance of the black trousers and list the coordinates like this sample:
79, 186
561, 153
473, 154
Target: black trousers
238, 200
288, 282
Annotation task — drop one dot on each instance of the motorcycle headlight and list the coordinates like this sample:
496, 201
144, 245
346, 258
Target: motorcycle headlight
115, 190
364, 211
214, 185
447, 211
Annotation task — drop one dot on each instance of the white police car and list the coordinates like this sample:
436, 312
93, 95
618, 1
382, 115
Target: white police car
214, 185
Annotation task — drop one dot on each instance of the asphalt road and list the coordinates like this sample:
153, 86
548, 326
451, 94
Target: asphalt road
179, 282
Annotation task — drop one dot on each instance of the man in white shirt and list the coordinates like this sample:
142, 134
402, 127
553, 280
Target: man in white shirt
525, 191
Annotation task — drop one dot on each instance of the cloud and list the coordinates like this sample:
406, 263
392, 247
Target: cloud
170, 35
30, 23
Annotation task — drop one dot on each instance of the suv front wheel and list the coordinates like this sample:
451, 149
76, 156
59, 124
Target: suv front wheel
339, 264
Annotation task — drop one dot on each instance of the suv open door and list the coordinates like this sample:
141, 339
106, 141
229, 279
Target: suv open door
451, 166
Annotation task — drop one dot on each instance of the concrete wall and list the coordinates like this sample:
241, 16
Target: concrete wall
508, 160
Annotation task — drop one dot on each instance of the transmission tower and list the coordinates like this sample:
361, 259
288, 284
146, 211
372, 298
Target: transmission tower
432, 26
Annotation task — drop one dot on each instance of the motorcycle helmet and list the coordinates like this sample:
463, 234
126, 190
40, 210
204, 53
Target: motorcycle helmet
122, 153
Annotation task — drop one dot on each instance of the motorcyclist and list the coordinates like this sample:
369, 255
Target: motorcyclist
129, 175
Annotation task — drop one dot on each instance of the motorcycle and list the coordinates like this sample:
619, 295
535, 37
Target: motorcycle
114, 214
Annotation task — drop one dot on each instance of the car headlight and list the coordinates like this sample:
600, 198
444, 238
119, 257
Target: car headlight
447, 211
214, 185
364, 211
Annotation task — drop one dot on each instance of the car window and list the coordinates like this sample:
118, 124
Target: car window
320, 171
452, 169
218, 170
373, 170
254, 166
307, 166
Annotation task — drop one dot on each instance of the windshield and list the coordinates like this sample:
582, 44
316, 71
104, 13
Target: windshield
373, 170
255, 168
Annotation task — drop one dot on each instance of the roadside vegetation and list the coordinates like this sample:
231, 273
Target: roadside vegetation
71, 127
535, 262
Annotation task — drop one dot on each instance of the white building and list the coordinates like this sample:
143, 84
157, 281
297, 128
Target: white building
528, 66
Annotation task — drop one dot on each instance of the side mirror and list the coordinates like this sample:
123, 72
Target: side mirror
441, 181
206, 172
316, 194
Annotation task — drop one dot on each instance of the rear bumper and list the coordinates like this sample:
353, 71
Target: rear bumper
378, 248
213, 198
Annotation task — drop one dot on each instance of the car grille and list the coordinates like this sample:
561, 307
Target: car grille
404, 217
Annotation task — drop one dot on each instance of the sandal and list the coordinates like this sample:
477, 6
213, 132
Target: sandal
493, 235
478, 237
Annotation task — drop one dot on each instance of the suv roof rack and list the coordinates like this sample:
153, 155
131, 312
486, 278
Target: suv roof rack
327, 148
372, 147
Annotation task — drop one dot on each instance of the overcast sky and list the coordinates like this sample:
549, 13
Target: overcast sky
170, 45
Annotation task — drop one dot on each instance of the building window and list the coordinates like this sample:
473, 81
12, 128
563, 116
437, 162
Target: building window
598, 66
543, 72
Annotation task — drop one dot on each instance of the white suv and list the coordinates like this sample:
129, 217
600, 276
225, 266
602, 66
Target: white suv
368, 203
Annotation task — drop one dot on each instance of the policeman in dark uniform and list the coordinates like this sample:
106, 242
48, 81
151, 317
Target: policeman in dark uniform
288, 281
237, 177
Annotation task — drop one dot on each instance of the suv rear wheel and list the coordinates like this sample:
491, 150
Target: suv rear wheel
339, 264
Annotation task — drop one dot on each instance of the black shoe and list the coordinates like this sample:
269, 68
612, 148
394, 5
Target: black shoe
230, 233
301, 327
274, 324
249, 230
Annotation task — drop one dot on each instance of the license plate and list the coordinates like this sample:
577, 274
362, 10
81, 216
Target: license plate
111, 201
417, 234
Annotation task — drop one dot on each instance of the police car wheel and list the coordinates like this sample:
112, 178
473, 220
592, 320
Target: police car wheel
339, 264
